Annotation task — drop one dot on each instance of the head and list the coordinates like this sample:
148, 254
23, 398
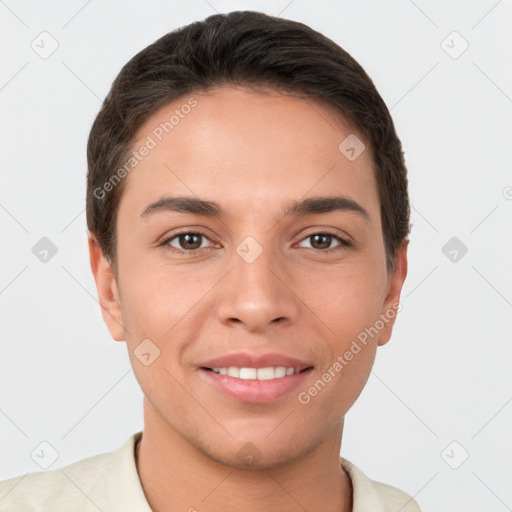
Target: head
250, 119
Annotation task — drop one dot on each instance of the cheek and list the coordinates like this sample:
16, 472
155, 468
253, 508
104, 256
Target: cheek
162, 304
347, 299
156, 313
157, 297
348, 302
347, 307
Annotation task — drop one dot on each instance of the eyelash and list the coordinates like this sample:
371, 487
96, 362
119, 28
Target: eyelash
343, 243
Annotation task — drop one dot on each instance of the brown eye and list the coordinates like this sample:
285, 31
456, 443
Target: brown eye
323, 241
188, 241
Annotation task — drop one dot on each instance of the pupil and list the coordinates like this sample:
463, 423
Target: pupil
326, 243
186, 241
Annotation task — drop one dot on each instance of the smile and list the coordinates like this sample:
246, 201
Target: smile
268, 373
255, 385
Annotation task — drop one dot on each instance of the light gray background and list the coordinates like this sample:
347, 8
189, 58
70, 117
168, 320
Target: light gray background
445, 376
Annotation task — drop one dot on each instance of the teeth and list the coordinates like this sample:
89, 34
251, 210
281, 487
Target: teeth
280, 371
268, 373
233, 372
247, 373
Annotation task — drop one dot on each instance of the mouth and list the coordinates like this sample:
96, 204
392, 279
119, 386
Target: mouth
261, 374
255, 385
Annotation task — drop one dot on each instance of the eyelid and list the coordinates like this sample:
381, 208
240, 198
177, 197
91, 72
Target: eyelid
166, 240
344, 241
334, 232
197, 230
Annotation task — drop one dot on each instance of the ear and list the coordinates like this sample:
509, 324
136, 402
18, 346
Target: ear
391, 307
108, 292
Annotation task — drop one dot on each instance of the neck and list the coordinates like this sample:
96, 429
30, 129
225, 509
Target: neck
175, 475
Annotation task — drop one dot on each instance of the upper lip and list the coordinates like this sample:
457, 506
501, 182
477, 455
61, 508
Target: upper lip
249, 360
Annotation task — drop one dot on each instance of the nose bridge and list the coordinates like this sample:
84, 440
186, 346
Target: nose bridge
254, 292
253, 264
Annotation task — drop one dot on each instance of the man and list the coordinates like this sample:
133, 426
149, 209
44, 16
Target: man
248, 214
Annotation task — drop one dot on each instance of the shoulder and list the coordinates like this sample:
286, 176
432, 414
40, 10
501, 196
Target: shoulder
395, 499
370, 494
83, 486
53, 489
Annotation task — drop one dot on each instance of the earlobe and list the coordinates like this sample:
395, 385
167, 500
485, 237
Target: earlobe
108, 293
391, 304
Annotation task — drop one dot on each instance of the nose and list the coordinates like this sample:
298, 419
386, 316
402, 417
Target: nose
257, 294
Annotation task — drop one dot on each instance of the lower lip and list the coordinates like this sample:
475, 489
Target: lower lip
255, 391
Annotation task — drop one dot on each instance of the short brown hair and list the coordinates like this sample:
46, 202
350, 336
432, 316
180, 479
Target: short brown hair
241, 48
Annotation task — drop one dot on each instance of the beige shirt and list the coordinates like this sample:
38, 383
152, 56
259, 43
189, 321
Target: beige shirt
109, 482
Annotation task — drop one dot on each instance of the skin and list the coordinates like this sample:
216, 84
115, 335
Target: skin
252, 153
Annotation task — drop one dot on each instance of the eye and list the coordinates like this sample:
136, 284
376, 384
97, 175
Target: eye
191, 242
322, 241
186, 242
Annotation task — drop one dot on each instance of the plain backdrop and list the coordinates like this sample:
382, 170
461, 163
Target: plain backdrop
435, 417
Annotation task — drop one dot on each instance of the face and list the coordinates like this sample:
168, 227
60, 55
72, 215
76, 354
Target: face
250, 275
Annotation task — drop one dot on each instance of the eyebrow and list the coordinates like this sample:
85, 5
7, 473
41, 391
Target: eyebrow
309, 206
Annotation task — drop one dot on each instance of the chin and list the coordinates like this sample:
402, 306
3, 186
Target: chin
251, 458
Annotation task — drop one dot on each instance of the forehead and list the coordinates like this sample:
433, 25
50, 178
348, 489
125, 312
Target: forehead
236, 143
